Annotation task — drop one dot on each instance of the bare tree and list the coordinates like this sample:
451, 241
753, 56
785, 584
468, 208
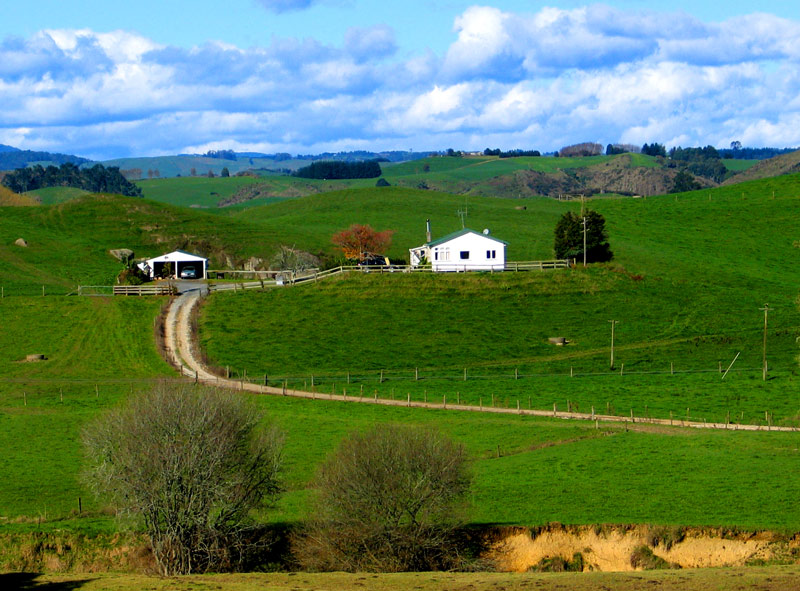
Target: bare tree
291, 259
388, 500
191, 463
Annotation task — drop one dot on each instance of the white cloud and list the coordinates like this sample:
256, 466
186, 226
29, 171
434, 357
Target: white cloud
538, 80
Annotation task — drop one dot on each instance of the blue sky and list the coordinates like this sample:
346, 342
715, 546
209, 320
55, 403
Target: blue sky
103, 79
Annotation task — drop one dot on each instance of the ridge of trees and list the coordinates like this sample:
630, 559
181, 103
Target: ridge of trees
97, 179
221, 154
511, 153
335, 169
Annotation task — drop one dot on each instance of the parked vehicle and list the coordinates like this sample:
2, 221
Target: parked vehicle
188, 272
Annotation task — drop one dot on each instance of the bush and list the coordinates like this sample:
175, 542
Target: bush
643, 558
190, 464
387, 500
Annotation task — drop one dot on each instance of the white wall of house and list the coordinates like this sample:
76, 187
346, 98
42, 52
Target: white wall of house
469, 252
178, 259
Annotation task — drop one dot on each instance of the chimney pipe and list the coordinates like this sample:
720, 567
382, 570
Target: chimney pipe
428, 230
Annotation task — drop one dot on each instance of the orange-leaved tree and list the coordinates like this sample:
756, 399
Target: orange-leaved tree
360, 241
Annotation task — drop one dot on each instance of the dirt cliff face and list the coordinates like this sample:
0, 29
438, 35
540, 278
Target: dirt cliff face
619, 548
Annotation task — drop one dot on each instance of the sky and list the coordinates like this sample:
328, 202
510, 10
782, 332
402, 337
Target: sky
110, 79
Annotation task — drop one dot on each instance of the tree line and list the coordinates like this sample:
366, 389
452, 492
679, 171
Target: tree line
97, 179
335, 169
511, 153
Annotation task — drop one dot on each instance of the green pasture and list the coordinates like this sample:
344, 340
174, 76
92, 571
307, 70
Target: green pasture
737, 165
196, 191
53, 195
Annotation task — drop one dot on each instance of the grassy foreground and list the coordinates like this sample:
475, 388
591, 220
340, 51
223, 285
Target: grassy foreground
776, 578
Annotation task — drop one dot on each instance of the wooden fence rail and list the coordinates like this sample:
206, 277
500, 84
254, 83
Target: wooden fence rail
144, 290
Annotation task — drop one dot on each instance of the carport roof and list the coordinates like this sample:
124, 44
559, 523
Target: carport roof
177, 255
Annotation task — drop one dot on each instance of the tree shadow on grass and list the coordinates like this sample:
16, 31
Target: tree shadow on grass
23, 581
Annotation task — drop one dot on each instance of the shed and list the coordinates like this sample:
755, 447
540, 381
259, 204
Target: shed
174, 263
465, 250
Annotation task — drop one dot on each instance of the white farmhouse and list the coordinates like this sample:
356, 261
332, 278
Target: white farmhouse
465, 250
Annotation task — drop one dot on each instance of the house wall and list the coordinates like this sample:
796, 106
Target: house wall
482, 254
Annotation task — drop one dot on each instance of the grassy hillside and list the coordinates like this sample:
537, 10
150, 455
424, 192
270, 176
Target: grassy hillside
10, 199
691, 274
690, 277
68, 243
53, 195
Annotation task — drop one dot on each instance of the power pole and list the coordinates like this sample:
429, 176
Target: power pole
765, 309
613, 324
584, 241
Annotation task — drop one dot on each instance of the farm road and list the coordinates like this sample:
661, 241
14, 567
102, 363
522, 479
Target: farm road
181, 351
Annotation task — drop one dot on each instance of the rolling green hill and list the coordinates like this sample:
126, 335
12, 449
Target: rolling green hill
690, 274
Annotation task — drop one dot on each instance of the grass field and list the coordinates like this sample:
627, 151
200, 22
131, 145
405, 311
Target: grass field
690, 279
683, 294
53, 195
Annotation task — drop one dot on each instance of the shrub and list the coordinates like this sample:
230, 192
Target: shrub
387, 500
643, 558
190, 464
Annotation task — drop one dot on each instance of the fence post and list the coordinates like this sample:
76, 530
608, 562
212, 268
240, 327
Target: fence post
554, 409
516, 373
465, 374
416, 374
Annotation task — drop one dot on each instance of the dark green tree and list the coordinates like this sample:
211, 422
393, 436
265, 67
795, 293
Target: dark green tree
569, 237
382, 182
225, 172
684, 181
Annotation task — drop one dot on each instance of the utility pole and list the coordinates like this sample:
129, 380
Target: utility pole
765, 309
613, 324
584, 241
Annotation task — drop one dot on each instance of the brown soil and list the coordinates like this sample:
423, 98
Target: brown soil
610, 548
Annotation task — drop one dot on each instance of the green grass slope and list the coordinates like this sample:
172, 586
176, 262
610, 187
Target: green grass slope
691, 274
53, 195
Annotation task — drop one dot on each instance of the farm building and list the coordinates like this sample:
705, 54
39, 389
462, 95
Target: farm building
465, 250
178, 264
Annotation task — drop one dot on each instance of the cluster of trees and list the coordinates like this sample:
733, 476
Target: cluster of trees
334, 169
738, 152
654, 149
583, 149
570, 237
511, 153
614, 149
221, 154
96, 179
705, 162
192, 464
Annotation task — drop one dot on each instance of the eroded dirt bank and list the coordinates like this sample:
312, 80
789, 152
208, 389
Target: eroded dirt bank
640, 547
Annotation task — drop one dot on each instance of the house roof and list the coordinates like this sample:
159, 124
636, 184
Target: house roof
459, 233
176, 255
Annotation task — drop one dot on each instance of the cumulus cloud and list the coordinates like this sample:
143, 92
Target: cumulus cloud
536, 80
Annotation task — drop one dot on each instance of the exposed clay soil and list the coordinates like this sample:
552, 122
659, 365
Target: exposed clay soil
609, 548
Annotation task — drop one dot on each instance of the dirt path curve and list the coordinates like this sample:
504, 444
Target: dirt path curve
180, 349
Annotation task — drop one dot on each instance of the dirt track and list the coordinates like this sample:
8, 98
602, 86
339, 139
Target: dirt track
180, 350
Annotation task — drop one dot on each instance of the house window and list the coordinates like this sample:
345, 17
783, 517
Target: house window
446, 254
436, 255
464, 255
491, 254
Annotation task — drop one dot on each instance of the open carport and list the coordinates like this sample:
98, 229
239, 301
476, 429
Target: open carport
172, 264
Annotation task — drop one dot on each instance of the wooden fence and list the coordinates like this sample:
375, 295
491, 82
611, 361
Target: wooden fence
145, 290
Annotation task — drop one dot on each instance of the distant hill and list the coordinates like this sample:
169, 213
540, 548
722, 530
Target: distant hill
777, 166
12, 158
